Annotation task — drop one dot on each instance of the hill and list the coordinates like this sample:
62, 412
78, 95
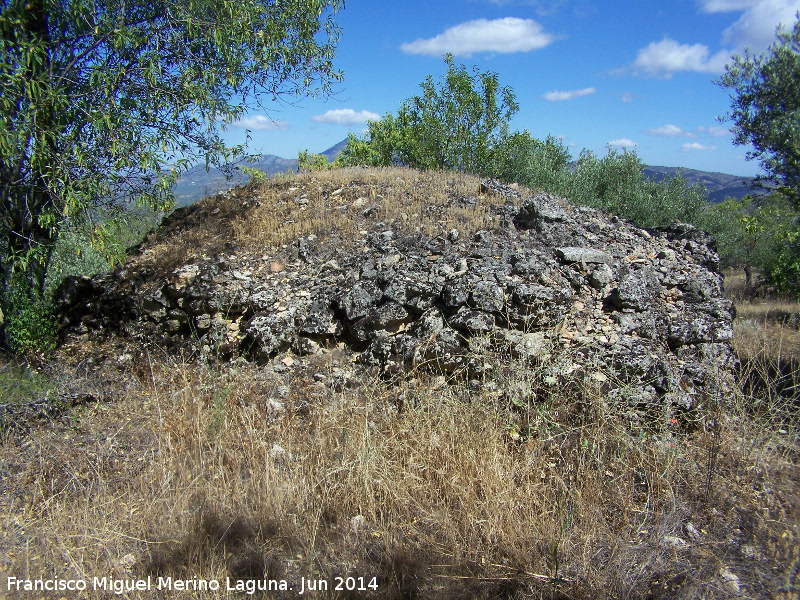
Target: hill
197, 183
719, 185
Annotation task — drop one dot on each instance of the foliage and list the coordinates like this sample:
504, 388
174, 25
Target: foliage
307, 161
256, 176
750, 232
785, 272
765, 96
382, 145
463, 124
19, 385
106, 104
31, 325
616, 184
521, 158
92, 247
457, 124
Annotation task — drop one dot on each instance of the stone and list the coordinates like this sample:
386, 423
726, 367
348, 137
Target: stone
488, 296
572, 254
637, 290
360, 299
601, 276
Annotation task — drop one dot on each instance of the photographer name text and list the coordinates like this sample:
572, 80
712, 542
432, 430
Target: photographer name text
248, 586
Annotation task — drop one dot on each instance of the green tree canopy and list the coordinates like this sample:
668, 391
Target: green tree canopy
456, 124
765, 107
106, 102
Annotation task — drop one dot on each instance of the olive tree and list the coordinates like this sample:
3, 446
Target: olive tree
765, 107
104, 103
765, 111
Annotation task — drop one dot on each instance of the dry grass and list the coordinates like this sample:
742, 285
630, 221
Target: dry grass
421, 485
332, 204
336, 206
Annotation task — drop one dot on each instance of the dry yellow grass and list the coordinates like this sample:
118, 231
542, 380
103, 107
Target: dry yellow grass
191, 474
331, 204
328, 204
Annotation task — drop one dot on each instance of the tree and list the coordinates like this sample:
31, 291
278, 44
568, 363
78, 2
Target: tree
616, 183
750, 232
456, 124
765, 97
766, 113
105, 103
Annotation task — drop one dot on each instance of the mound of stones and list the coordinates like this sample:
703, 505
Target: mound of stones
571, 292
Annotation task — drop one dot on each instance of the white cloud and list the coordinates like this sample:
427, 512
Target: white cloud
623, 143
669, 130
668, 56
756, 27
696, 146
260, 123
482, 35
714, 131
627, 97
718, 6
558, 96
346, 116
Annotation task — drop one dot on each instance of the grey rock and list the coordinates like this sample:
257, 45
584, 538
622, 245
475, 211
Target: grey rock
455, 294
487, 296
601, 276
638, 290
474, 321
571, 254
269, 333
640, 315
360, 300
539, 209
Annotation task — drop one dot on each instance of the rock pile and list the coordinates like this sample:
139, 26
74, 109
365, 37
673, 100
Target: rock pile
569, 289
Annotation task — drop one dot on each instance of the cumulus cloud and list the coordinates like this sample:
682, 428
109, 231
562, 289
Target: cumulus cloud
260, 123
627, 97
505, 36
623, 143
346, 116
756, 27
544, 8
670, 130
714, 131
668, 56
718, 6
696, 146
558, 96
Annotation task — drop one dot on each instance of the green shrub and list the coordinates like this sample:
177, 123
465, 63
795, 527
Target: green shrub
89, 248
307, 161
460, 123
30, 325
616, 183
521, 158
257, 176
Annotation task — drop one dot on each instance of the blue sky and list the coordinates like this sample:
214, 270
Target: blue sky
634, 75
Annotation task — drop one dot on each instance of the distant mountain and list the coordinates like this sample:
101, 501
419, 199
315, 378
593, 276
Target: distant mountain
332, 152
719, 185
197, 183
